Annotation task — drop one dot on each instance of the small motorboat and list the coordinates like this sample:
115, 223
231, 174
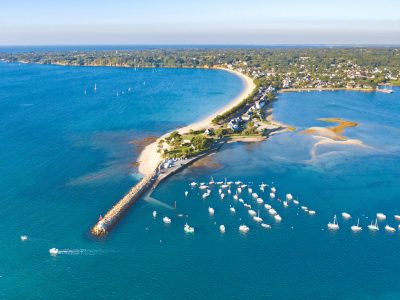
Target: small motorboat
272, 212
222, 196
241, 200
222, 228
277, 218
390, 228
154, 214
381, 216
24, 238
166, 220
211, 211
273, 190
356, 228
53, 251
266, 226
188, 229
346, 215
272, 195
305, 208
334, 225
267, 206
296, 202
244, 228
186, 193
232, 209
285, 204
312, 212
289, 197
252, 212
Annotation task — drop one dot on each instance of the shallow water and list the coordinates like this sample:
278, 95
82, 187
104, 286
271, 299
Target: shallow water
65, 159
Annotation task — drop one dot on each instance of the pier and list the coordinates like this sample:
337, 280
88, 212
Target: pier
112, 217
115, 213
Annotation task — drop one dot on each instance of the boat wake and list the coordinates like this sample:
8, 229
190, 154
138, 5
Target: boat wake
79, 252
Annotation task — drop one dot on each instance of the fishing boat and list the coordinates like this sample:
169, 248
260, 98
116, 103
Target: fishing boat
289, 197
154, 214
257, 218
389, 228
266, 226
244, 228
334, 225
260, 201
53, 251
24, 238
232, 209
374, 226
222, 228
166, 220
211, 211
381, 216
188, 229
346, 215
356, 228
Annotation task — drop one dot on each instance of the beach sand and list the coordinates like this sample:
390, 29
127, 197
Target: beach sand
149, 159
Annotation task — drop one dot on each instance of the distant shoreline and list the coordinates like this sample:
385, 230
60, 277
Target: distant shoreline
291, 90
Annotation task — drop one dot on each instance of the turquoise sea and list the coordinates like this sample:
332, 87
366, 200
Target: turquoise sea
66, 158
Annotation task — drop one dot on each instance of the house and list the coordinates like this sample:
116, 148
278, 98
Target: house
209, 131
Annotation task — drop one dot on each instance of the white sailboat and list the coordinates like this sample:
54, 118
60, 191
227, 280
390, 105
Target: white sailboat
356, 228
257, 218
334, 225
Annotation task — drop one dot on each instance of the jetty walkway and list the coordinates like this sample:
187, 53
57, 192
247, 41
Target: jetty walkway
114, 214
148, 182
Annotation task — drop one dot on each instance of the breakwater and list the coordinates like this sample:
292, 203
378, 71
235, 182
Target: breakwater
114, 214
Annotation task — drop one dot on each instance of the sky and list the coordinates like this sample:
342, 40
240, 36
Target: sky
237, 22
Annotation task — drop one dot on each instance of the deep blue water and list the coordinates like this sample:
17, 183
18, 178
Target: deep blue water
65, 159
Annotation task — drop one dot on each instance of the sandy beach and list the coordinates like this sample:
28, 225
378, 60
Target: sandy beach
149, 158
